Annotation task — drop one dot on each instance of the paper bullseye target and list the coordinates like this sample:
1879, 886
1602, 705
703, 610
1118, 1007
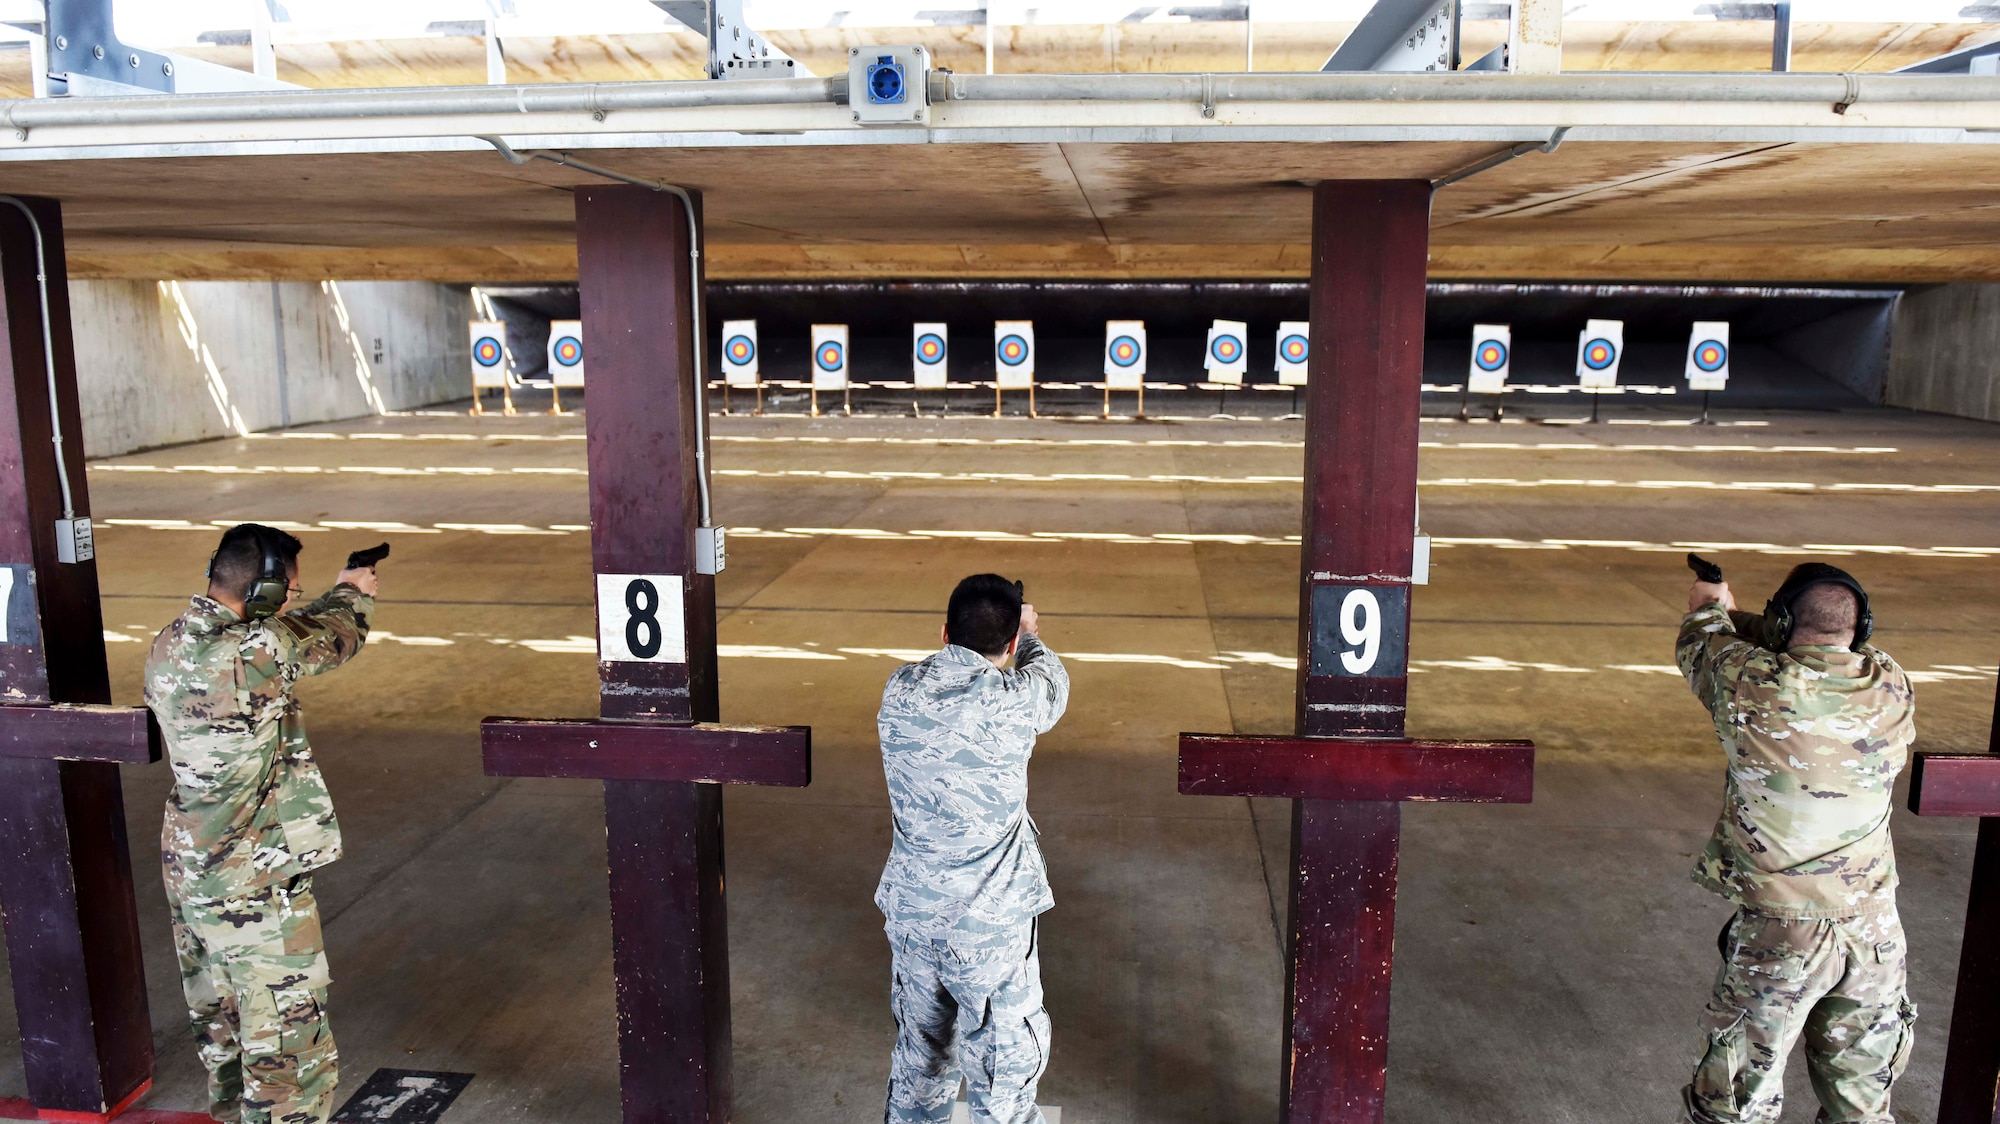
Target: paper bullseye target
1598, 352
929, 352
1492, 358
566, 352
1708, 355
739, 353
489, 354
829, 356
1125, 354
1014, 353
1294, 348
1228, 357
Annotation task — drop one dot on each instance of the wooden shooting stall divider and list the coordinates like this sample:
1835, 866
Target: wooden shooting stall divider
72, 923
1947, 784
656, 745
1348, 766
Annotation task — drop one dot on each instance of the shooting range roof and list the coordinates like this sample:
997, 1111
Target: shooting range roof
1697, 177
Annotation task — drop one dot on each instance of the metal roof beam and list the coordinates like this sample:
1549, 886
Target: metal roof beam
1401, 35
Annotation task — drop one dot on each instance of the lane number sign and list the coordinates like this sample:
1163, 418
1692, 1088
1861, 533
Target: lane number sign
1360, 631
639, 619
19, 620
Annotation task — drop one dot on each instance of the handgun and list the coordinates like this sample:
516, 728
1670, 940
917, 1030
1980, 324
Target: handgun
366, 559
1704, 570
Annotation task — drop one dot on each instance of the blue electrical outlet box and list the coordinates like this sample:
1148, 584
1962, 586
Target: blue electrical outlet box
889, 85
885, 82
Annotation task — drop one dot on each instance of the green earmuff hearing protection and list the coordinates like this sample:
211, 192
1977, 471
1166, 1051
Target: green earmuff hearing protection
272, 585
1780, 610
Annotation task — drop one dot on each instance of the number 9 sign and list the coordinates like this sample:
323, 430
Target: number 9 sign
1360, 631
639, 619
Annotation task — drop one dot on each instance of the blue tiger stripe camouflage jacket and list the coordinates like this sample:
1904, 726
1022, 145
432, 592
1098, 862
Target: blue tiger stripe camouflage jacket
957, 734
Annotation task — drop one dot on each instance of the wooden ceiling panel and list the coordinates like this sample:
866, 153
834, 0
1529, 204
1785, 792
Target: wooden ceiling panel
1854, 212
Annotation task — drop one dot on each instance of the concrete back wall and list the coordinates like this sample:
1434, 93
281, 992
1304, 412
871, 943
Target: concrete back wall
1946, 357
166, 362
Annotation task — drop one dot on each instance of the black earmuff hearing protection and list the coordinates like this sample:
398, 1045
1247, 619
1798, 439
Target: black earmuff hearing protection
272, 585
1779, 610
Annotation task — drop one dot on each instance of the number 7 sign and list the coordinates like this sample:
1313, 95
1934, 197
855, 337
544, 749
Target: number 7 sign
640, 619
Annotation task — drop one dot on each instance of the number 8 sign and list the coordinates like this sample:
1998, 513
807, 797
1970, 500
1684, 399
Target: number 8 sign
639, 619
1360, 631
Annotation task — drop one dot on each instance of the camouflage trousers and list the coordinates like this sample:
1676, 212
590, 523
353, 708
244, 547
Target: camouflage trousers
255, 977
970, 1005
1840, 984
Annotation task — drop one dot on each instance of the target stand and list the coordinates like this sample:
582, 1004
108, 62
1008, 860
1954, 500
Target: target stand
489, 366
830, 366
1222, 391
565, 361
1708, 362
1014, 362
507, 409
846, 402
740, 364
1465, 404
1125, 361
1492, 362
998, 390
1139, 414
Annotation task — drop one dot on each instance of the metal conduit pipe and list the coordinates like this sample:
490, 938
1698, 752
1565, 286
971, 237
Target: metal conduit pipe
48, 352
307, 105
1475, 86
523, 156
1204, 89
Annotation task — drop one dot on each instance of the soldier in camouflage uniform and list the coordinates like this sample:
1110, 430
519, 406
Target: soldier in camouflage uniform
247, 822
1815, 726
965, 882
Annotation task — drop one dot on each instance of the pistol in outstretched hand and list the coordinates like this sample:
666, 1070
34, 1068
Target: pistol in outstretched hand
366, 559
1704, 570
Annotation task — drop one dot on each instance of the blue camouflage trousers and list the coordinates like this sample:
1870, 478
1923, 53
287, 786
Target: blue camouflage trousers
1840, 984
970, 1005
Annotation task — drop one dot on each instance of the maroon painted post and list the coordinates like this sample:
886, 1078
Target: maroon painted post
1969, 785
65, 868
1349, 766
662, 758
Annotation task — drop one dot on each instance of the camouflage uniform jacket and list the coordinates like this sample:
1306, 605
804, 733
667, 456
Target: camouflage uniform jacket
957, 733
249, 808
1815, 737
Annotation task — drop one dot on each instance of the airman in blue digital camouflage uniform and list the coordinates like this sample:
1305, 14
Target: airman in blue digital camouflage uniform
249, 820
1815, 725
965, 882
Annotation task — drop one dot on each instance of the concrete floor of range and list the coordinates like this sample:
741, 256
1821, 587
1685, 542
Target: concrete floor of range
1553, 958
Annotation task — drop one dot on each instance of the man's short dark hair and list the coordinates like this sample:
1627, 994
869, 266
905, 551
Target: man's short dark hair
1826, 609
984, 614
239, 559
